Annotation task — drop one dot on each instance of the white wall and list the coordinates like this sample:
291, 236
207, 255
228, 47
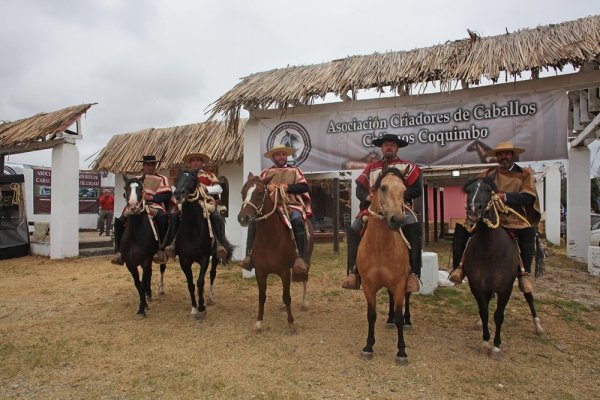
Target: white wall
234, 232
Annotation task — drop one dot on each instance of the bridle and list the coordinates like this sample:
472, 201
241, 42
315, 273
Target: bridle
259, 208
140, 206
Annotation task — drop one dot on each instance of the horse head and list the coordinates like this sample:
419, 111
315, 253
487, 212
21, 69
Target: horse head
479, 194
389, 196
134, 194
186, 184
254, 194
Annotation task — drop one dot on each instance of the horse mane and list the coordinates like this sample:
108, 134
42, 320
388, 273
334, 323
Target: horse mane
488, 180
386, 172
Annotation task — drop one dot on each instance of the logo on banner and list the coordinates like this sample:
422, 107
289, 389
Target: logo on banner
294, 135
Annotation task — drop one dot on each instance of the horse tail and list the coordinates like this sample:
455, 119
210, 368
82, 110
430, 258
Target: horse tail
540, 264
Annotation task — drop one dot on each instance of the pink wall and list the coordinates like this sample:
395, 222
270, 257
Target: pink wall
454, 203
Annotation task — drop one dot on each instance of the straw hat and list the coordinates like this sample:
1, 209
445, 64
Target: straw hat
504, 146
188, 157
280, 148
388, 137
149, 159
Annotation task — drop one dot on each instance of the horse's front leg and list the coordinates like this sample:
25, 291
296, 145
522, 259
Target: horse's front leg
214, 261
407, 322
287, 299
147, 282
401, 356
161, 282
370, 295
483, 300
200, 285
498, 320
186, 267
536, 321
261, 281
133, 270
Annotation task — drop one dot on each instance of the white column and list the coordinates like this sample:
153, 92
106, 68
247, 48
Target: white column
553, 204
119, 192
64, 217
578, 203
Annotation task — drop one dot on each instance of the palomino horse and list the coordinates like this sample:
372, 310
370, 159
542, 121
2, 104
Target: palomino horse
193, 242
491, 260
140, 241
273, 250
382, 258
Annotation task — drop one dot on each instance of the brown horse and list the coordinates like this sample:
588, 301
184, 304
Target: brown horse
382, 259
273, 250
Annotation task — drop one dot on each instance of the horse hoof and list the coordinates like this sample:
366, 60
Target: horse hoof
366, 355
257, 328
485, 348
538, 327
390, 325
304, 307
291, 329
496, 354
210, 302
201, 315
140, 316
402, 361
407, 327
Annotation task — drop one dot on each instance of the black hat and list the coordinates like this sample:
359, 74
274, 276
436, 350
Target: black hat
148, 159
388, 137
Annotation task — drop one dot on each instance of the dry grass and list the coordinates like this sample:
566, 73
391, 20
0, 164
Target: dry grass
67, 330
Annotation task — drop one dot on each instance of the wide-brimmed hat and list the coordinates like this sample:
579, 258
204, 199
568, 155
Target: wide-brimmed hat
504, 146
148, 159
280, 148
188, 157
388, 137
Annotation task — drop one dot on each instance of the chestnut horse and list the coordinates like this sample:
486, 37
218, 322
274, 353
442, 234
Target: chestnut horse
491, 260
382, 258
273, 250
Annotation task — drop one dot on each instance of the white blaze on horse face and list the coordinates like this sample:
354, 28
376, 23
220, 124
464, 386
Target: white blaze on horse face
249, 193
472, 205
133, 200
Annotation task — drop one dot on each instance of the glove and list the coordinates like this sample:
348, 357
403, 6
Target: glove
502, 196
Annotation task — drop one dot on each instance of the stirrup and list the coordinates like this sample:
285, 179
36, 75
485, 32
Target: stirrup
247, 263
352, 282
456, 276
117, 259
159, 257
300, 266
413, 283
525, 282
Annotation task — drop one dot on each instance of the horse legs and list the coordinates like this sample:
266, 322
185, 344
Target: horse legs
536, 321
370, 295
214, 261
286, 278
186, 267
261, 281
147, 275
483, 301
399, 319
138, 285
304, 306
390, 321
498, 320
161, 282
407, 323
200, 285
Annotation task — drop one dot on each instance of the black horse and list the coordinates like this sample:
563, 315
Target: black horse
193, 242
491, 261
139, 242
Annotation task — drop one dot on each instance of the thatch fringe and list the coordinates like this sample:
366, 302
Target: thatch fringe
40, 127
170, 145
467, 61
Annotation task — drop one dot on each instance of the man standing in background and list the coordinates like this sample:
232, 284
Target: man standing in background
106, 206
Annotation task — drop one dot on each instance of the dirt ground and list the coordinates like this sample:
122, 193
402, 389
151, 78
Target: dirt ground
68, 331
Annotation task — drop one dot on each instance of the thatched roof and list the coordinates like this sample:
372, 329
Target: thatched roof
467, 61
170, 145
39, 131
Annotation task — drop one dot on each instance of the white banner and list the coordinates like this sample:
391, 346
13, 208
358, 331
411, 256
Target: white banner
443, 134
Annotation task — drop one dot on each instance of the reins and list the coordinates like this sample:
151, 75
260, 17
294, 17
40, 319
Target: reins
144, 208
382, 214
201, 197
499, 207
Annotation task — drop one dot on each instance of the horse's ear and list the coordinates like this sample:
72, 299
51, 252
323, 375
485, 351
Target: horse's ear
250, 176
125, 178
179, 169
268, 180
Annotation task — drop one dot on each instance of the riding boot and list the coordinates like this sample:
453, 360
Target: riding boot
162, 224
300, 235
169, 241
219, 234
247, 262
459, 242
352, 280
526, 240
414, 235
119, 227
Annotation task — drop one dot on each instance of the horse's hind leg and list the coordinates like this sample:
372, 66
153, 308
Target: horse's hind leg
536, 321
214, 261
287, 299
407, 322
147, 275
261, 281
200, 286
401, 356
141, 313
390, 321
370, 295
161, 282
498, 320
189, 277
304, 306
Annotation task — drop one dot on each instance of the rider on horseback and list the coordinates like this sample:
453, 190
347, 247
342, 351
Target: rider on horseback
292, 180
517, 190
411, 228
210, 184
157, 192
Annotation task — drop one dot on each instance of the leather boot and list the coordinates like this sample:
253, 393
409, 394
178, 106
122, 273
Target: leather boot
300, 235
247, 262
414, 235
459, 242
119, 227
526, 240
352, 280
162, 224
219, 233
169, 241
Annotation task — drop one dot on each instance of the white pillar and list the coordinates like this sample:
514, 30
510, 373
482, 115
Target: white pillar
119, 192
64, 217
578, 203
553, 204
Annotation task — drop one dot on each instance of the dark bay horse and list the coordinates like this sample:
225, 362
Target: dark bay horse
193, 242
273, 251
140, 241
491, 260
382, 258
